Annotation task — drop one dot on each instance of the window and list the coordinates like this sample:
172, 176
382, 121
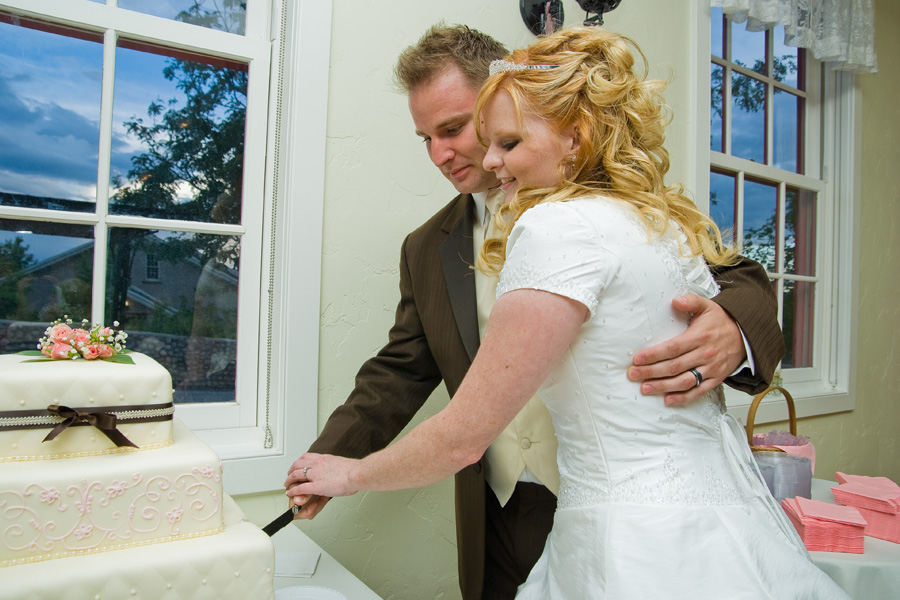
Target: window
152, 267
140, 147
774, 112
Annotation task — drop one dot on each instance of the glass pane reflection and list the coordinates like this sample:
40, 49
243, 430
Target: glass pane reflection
722, 203
785, 59
222, 15
760, 218
748, 121
176, 295
49, 115
800, 235
45, 273
716, 102
787, 131
183, 118
798, 321
748, 48
717, 36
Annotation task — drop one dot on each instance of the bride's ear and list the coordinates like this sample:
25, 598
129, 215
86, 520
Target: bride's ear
573, 138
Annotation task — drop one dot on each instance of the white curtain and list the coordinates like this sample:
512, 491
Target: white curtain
841, 32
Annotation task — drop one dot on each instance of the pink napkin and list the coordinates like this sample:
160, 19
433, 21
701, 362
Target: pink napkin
876, 498
826, 527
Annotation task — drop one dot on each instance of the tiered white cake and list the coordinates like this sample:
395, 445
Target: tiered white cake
83, 517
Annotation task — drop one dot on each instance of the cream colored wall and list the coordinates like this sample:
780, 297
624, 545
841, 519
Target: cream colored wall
380, 185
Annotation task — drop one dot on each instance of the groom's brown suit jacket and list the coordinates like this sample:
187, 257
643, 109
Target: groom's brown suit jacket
435, 337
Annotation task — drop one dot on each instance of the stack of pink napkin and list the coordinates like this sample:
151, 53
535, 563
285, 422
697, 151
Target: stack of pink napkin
826, 527
876, 498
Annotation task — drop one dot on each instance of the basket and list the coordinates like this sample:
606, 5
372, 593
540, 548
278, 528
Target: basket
787, 470
751, 417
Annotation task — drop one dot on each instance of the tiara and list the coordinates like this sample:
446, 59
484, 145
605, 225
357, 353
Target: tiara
504, 66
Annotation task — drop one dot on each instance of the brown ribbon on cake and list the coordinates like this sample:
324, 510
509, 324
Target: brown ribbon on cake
104, 421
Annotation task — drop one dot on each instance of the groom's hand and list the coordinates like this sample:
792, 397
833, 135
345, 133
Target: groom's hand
712, 345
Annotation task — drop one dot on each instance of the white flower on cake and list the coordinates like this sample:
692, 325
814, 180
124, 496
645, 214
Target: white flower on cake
61, 342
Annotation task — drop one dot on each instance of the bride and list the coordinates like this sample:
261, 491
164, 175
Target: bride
655, 501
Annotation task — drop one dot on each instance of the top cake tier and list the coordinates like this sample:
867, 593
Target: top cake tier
86, 392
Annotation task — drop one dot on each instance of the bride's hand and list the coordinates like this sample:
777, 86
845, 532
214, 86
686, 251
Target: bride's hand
320, 475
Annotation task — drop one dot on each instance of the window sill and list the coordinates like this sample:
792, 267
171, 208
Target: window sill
810, 399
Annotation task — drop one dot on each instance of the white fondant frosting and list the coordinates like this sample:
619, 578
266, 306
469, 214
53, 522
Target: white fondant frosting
32, 386
237, 564
55, 508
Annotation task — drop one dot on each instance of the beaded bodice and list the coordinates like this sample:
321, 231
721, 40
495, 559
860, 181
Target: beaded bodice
616, 445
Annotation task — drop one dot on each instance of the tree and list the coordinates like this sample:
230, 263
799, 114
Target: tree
14, 259
198, 145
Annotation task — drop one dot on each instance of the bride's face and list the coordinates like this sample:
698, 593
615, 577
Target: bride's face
522, 152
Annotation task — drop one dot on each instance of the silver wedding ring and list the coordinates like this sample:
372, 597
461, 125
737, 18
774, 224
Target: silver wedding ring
694, 371
305, 469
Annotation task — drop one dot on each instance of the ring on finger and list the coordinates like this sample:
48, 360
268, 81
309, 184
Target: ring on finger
695, 373
305, 469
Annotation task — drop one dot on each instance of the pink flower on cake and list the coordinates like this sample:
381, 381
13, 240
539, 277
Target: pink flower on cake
59, 351
84, 506
60, 341
117, 488
49, 496
60, 332
91, 351
207, 472
83, 531
174, 515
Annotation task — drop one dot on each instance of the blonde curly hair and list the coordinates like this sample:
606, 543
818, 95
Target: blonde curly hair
619, 118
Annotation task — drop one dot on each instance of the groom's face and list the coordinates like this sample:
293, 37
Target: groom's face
442, 113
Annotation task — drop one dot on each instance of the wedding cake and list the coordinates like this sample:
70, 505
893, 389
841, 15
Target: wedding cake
104, 494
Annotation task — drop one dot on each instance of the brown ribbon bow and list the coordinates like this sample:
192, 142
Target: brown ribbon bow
105, 422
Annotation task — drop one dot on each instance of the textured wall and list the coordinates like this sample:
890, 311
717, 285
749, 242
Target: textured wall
380, 185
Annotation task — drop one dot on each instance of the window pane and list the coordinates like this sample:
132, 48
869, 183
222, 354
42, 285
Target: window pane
748, 48
787, 130
224, 15
748, 120
181, 121
800, 234
716, 102
49, 115
798, 302
784, 61
45, 273
186, 318
717, 32
722, 203
760, 218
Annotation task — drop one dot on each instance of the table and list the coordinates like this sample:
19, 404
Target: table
875, 574
329, 573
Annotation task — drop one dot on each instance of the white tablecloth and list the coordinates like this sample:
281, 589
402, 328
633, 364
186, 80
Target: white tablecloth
874, 575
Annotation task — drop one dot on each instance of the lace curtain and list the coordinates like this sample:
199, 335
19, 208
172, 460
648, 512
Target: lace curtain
841, 32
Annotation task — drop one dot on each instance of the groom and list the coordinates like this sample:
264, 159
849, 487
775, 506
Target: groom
505, 502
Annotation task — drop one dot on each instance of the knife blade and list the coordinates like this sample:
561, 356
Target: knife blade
281, 521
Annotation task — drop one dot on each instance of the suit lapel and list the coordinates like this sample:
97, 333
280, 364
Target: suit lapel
457, 257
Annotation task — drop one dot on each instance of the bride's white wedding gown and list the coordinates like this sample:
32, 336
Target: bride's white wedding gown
655, 501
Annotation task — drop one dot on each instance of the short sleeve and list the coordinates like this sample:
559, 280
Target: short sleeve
553, 248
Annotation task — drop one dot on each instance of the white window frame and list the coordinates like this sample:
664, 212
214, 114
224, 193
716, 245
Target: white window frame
829, 386
285, 157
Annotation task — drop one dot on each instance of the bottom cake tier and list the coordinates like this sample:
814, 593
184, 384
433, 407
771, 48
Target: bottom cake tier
237, 564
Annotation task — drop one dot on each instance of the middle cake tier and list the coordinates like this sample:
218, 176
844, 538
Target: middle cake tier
65, 507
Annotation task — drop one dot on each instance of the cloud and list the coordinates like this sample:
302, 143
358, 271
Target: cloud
47, 141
